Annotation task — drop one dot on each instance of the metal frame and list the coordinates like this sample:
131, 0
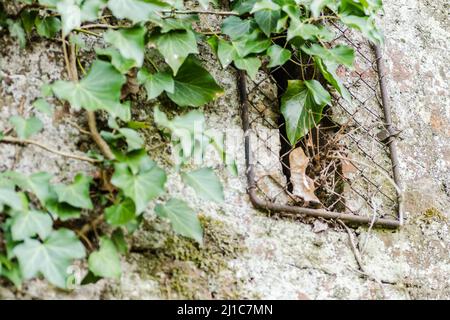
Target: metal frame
262, 204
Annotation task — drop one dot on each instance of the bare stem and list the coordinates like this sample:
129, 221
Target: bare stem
47, 148
217, 13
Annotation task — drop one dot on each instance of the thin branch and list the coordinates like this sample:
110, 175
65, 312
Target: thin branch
43, 146
217, 13
92, 121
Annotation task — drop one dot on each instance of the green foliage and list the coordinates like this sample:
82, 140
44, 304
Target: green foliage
267, 34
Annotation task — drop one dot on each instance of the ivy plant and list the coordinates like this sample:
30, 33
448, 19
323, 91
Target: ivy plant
153, 45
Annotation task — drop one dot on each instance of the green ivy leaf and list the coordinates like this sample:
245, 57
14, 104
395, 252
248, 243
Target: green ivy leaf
156, 83
47, 27
37, 183
340, 54
316, 6
142, 186
205, 183
106, 261
175, 46
136, 10
117, 60
194, 86
10, 198
50, 258
26, 127
70, 15
27, 224
28, 17
129, 42
267, 20
250, 64
278, 56
133, 139
43, 106
120, 214
305, 31
77, 193
225, 52
366, 25
256, 42
16, 30
301, 106
91, 9
100, 89
183, 219
328, 70
237, 28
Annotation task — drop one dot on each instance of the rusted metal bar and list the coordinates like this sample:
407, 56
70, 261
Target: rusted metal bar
350, 218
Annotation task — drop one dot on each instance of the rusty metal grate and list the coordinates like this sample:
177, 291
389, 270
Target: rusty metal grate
352, 152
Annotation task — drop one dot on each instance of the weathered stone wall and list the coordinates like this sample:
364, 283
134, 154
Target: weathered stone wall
247, 253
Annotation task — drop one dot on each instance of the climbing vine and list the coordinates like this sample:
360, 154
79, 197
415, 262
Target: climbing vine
153, 44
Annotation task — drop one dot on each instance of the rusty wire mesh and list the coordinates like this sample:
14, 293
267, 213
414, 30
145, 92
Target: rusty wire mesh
351, 152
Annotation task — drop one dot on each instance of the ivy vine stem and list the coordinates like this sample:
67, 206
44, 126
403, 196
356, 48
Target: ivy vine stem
47, 148
217, 13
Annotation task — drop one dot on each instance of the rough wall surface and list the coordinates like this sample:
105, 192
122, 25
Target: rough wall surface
248, 254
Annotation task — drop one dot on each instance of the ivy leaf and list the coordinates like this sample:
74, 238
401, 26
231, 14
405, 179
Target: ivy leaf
254, 43
194, 86
27, 224
141, 186
43, 106
225, 52
134, 140
130, 43
50, 258
47, 27
77, 193
63, 210
100, 89
301, 106
70, 15
120, 214
91, 9
16, 30
156, 83
136, 10
106, 261
264, 5
117, 60
37, 183
316, 6
328, 70
340, 54
305, 31
267, 20
250, 65
236, 28
278, 56
26, 127
175, 46
28, 17
10, 198
364, 24
205, 183
183, 219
